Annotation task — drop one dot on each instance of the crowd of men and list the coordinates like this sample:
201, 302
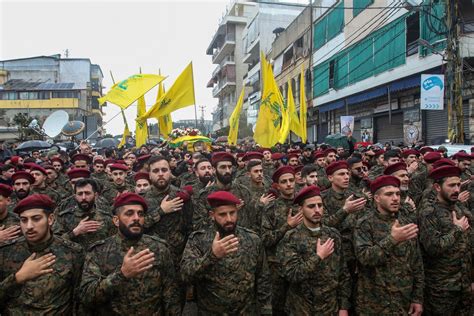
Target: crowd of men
297, 230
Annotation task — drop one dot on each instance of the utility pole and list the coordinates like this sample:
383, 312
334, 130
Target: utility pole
454, 74
201, 107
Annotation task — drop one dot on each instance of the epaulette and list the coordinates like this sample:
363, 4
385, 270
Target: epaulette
70, 244
11, 242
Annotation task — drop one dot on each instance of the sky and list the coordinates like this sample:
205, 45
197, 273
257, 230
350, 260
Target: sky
119, 36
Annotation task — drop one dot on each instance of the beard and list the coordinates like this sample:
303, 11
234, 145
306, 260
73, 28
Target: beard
86, 206
224, 178
21, 194
225, 230
161, 184
206, 179
127, 233
450, 199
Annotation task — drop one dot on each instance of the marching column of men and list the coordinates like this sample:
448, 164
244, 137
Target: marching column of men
318, 231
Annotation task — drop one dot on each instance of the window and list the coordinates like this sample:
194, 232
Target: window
413, 33
66, 94
360, 5
331, 74
329, 26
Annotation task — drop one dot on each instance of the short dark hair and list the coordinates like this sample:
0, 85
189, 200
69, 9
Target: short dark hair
6, 167
200, 161
84, 182
252, 164
353, 160
392, 153
308, 169
155, 159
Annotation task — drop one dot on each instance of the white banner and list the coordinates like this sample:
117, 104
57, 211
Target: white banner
432, 92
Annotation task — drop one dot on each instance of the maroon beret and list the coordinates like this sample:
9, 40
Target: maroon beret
445, 172
28, 165
294, 151
277, 156
184, 195
394, 168
84, 157
222, 156
379, 152
240, 155
298, 168
462, 156
384, 181
336, 165
281, 171
57, 159
443, 162
99, 161
15, 159
108, 162
78, 173
129, 198
306, 193
41, 201
121, 161
252, 155
141, 176
409, 152
426, 149
118, 166
319, 154
292, 155
49, 167
189, 189
274, 190
5, 190
219, 198
328, 151
432, 156
262, 150
23, 175
143, 158
35, 167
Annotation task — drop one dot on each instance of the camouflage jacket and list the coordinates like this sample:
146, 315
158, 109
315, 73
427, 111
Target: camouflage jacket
323, 181
335, 216
248, 216
268, 170
69, 218
317, 287
418, 184
111, 190
375, 172
50, 294
106, 291
173, 227
238, 284
275, 225
390, 273
11, 219
13, 201
49, 192
447, 250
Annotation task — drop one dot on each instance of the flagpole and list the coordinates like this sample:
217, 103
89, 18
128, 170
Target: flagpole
194, 97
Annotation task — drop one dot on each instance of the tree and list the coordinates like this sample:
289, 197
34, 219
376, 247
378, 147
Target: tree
22, 121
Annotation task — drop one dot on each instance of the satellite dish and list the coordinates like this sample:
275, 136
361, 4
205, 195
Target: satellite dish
53, 125
73, 128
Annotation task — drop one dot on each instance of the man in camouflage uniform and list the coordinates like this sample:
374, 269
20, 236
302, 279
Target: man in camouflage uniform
53, 182
279, 216
9, 221
407, 205
170, 210
309, 174
40, 272
390, 278
257, 184
359, 178
228, 267
118, 185
142, 183
320, 162
204, 175
446, 239
85, 222
39, 186
58, 165
419, 181
313, 264
222, 163
22, 182
267, 163
99, 173
130, 273
378, 168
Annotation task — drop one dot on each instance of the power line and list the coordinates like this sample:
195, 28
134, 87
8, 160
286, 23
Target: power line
342, 7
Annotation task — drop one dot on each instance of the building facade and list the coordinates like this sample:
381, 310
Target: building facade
367, 63
38, 86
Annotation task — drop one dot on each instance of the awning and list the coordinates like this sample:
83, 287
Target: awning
366, 96
331, 106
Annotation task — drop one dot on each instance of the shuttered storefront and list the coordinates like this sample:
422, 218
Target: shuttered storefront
386, 132
322, 132
437, 125
356, 133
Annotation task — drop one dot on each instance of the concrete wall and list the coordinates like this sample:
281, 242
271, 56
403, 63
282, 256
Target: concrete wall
77, 71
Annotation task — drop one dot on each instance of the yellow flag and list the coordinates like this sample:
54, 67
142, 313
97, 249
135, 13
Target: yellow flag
270, 119
295, 125
180, 95
165, 122
126, 133
234, 120
303, 108
129, 90
141, 129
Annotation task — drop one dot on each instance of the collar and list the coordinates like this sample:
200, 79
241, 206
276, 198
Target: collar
42, 246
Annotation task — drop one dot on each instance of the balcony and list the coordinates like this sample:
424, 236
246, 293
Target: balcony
223, 84
228, 60
227, 48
